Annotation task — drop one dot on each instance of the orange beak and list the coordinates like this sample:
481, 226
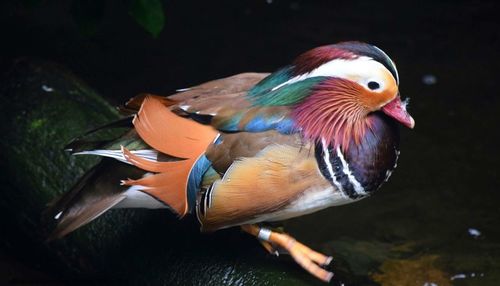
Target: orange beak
397, 110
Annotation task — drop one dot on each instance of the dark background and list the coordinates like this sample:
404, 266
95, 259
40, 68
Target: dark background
449, 162
203, 40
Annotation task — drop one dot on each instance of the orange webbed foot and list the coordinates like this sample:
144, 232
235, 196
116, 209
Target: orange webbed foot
309, 259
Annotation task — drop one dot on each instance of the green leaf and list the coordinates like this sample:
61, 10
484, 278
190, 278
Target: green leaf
148, 14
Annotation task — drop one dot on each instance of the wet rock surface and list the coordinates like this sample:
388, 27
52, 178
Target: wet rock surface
48, 106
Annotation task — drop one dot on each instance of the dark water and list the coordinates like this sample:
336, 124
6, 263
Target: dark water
437, 219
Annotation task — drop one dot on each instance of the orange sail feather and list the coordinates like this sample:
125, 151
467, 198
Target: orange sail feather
174, 136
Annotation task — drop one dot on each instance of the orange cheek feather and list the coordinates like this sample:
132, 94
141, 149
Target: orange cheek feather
373, 101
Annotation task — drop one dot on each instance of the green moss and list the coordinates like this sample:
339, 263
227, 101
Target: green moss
37, 123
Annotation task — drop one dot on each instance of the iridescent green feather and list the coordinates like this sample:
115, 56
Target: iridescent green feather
276, 78
289, 94
263, 96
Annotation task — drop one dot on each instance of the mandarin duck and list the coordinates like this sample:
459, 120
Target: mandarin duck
253, 148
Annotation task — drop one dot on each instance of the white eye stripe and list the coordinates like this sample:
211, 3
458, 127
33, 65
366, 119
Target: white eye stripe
361, 70
391, 62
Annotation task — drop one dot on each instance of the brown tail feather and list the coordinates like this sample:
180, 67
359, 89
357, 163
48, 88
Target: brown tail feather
100, 189
95, 193
100, 136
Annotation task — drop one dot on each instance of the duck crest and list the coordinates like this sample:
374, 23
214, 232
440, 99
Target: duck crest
363, 167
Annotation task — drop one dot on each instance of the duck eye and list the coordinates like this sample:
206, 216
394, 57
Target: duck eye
373, 85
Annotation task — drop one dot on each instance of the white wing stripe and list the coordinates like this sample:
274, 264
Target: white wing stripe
147, 154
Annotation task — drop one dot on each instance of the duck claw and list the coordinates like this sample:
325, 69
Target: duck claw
307, 258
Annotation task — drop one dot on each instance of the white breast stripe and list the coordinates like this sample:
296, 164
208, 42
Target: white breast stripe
357, 186
397, 157
388, 174
326, 158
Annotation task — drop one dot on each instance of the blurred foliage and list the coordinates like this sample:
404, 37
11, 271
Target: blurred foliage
148, 14
88, 14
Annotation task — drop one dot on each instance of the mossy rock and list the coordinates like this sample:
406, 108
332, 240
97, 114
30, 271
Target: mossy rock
43, 107
419, 271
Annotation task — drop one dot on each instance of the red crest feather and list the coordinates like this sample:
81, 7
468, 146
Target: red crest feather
314, 58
